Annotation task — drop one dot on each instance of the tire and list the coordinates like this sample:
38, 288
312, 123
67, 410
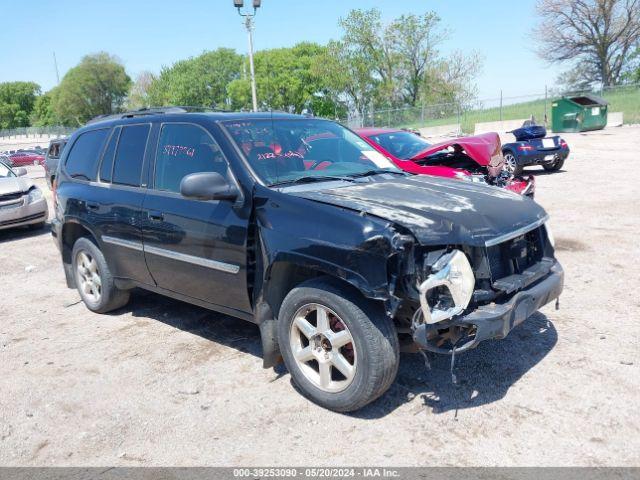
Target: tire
372, 352
511, 163
555, 166
89, 263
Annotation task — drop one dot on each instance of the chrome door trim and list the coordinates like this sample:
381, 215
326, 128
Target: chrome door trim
182, 257
203, 262
132, 244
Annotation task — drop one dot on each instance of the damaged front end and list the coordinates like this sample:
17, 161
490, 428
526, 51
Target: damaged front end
477, 159
466, 295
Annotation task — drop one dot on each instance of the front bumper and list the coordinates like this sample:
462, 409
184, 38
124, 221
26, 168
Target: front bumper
496, 320
523, 186
18, 214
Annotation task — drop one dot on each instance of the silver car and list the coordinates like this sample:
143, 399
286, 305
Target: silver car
21, 201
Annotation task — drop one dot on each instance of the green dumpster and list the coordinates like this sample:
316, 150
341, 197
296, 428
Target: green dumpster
579, 114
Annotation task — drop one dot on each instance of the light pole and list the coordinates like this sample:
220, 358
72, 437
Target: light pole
248, 23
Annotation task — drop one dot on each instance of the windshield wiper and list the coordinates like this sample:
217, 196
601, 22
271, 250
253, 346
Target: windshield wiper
379, 171
318, 178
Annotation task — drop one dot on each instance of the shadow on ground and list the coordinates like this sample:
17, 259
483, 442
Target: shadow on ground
484, 374
20, 233
212, 326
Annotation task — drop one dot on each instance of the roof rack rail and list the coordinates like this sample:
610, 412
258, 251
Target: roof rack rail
151, 111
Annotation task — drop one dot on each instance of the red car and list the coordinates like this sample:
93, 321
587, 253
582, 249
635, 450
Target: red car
477, 158
21, 159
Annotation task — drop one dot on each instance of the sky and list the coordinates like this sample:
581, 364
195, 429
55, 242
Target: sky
147, 35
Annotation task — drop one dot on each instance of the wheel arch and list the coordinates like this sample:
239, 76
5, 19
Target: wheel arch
72, 230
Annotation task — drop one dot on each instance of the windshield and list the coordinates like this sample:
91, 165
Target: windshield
284, 151
403, 145
5, 172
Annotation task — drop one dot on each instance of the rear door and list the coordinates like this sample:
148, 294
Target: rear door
118, 211
192, 247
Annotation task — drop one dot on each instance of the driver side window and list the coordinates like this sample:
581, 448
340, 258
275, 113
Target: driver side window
184, 149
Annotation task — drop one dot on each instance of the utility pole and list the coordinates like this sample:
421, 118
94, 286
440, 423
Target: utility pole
248, 23
55, 65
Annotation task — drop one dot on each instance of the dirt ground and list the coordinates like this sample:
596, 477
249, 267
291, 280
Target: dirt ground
164, 383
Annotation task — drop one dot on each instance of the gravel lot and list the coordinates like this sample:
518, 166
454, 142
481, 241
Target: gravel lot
165, 383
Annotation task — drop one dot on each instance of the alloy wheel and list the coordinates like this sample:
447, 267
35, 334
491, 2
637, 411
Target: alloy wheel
323, 348
89, 276
510, 163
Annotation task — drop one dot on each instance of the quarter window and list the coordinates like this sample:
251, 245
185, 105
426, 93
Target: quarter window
184, 149
130, 155
82, 161
107, 160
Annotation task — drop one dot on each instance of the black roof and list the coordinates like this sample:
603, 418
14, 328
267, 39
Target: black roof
211, 113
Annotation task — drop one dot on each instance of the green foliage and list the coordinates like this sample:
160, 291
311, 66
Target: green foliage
198, 81
17, 100
98, 85
287, 79
397, 64
43, 114
139, 94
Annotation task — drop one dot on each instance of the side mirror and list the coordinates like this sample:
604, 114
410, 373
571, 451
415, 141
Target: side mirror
207, 186
20, 172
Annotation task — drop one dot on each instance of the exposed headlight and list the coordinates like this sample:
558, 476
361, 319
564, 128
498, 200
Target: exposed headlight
35, 194
550, 236
452, 272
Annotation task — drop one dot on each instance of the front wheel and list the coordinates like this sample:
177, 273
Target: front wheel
511, 164
342, 351
554, 166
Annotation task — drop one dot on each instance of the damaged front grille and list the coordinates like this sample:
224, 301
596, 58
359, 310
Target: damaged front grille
519, 262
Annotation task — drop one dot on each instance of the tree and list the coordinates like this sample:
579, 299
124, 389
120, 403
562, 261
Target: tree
98, 85
597, 36
398, 64
415, 40
139, 93
17, 100
286, 79
198, 81
43, 114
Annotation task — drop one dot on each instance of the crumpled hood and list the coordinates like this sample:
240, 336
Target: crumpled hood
436, 210
485, 149
14, 184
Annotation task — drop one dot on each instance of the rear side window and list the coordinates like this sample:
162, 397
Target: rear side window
130, 155
82, 161
107, 160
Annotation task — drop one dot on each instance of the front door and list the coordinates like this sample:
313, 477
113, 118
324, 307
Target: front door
194, 248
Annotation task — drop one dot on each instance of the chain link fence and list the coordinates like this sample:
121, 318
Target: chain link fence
56, 131
462, 119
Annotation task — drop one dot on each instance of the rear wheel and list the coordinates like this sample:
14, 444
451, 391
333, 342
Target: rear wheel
94, 279
342, 351
511, 164
554, 166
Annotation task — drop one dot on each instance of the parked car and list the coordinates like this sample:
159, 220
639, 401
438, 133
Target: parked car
533, 147
21, 201
477, 158
21, 159
56, 147
300, 226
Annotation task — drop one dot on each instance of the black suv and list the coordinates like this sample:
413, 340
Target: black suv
298, 225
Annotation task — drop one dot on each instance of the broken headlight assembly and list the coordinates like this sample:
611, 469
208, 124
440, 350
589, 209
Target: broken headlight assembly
448, 289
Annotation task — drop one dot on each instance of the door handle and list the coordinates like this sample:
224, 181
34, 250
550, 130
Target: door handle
93, 206
157, 216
